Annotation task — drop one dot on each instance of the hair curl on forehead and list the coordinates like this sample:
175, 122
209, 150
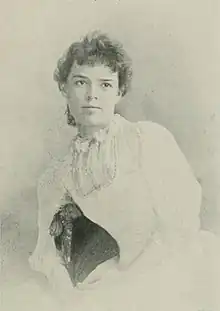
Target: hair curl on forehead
95, 48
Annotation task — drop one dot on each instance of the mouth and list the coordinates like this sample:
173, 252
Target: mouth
90, 107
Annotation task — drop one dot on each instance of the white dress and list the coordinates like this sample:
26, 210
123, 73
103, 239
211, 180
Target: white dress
148, 199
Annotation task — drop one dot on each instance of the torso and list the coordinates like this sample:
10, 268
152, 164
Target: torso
127, 198
125, 207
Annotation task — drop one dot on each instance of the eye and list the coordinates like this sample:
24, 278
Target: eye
79, 82
106, 85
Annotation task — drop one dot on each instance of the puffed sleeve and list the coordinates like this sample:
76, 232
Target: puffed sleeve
176, 192
45, 259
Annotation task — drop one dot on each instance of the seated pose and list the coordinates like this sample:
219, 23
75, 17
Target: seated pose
120, 213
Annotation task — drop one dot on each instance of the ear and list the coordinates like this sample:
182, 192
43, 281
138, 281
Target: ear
119, 93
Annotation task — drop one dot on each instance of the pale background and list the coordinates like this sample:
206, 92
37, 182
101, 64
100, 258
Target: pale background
175, 48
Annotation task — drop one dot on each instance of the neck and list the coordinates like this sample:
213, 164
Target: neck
89, 131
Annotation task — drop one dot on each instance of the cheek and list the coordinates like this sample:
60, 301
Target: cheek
109, 95
77, 94
110, 98
75, 101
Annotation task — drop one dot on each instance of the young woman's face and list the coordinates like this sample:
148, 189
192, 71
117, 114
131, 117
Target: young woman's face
92, 94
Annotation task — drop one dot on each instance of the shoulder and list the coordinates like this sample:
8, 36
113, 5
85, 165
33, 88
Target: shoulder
149, 138
153, 132
155, 142
162, 154
160, 148
158, 140
148, 130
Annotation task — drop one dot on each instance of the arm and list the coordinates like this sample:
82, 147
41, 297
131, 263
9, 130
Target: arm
44, 258
175, 190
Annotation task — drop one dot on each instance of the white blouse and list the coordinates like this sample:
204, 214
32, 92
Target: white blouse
149, 190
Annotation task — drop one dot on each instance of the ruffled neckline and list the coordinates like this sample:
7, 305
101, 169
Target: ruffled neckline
83, 144
95, 159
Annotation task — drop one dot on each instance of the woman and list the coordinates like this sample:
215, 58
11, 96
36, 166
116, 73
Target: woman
131, 179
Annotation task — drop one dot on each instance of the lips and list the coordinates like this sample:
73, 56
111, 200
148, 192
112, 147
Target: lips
90, 107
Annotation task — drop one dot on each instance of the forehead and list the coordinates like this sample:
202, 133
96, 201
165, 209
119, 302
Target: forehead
95, 72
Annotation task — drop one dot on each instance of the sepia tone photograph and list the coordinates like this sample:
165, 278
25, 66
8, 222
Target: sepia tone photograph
110, 157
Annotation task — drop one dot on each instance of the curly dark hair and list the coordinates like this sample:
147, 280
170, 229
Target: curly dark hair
96, 47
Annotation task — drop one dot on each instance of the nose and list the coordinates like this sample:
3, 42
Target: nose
92, 93
90, 98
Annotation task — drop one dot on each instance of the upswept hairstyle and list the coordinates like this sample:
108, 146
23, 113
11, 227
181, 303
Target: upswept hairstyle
95, 48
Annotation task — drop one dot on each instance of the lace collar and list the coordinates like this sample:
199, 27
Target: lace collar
94, 163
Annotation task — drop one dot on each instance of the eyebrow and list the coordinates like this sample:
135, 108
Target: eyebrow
85, 77
106, 79
80, 76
